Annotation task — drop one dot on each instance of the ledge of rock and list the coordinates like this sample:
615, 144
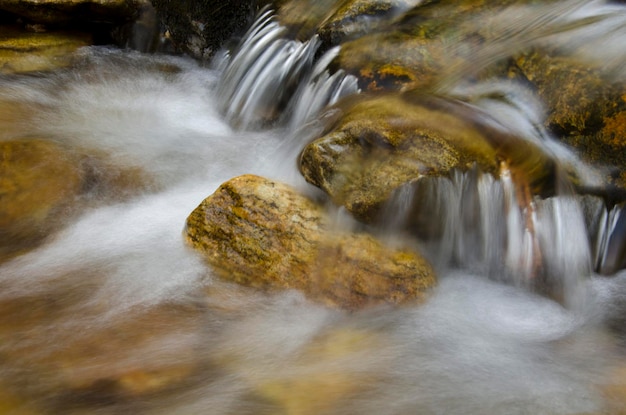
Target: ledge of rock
22, 51
64, 11
265, 234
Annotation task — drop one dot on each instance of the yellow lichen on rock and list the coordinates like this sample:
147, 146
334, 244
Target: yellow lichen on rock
264, 234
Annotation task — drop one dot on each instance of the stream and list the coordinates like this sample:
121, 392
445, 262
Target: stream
115, 314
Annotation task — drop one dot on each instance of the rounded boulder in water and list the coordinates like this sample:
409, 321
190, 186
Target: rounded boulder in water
266, 235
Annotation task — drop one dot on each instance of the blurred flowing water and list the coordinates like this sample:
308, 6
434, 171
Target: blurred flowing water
114, 314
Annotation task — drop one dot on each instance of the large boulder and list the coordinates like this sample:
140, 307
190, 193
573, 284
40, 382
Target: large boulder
384, 142
264, 234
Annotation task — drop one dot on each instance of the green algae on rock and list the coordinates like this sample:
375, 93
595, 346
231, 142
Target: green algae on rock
266, 235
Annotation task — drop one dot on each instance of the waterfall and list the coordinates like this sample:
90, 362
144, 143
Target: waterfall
270, 79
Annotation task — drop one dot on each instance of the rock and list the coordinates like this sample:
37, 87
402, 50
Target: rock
38, 181
63, 11
22, 51
199, 28
264, 234
585, 109
381, 143
43, 184
356, 18
302, 26
425, 44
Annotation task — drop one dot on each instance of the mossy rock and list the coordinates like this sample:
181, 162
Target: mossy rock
384, 142
266, 235
23, 51
302, 26
38, 181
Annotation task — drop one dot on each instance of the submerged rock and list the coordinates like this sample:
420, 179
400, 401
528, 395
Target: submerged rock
112, 358
38, 181
266, 235
23, 51
43, 184
382, 143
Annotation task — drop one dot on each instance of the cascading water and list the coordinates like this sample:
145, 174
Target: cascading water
113, 314
272, 77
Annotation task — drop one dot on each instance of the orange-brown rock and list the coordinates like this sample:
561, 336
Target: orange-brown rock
265, 234
38, 180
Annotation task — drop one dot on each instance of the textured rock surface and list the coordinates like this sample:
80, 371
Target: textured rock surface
266, 235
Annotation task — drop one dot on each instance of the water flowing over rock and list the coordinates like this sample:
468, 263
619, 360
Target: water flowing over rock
38, 180
381, 143
270, 79
264, 234
443, 125
585, 108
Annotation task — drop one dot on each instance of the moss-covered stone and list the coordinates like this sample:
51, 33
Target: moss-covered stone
303, 26
23, 51
264, 234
